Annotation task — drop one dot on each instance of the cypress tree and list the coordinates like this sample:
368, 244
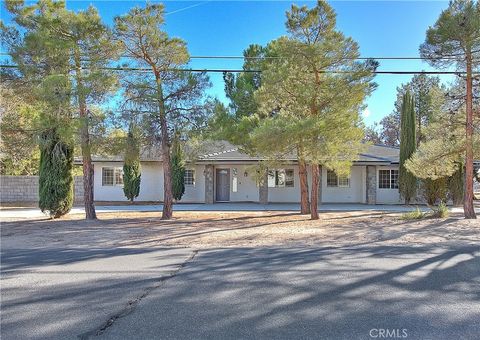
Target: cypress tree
131, 168
456, 186
55, 174
178, 169
407, 181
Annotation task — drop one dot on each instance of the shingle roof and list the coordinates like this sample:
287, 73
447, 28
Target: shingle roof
222, 151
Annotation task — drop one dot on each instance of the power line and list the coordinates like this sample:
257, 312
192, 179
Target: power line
446, 57
206, 70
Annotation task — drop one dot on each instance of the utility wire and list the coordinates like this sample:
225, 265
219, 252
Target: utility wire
139, 69
446, 57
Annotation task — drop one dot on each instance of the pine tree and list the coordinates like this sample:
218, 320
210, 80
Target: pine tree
172, 97
407, 183
131, 167
454, 39
178, 169
307, 111
55, 174
74, 48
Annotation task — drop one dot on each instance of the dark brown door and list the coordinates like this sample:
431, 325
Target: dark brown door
222, 185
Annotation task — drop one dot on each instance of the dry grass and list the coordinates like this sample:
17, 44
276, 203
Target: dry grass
218, 229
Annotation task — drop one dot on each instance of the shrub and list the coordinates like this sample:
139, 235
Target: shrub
416, 214
435, 190
441, 211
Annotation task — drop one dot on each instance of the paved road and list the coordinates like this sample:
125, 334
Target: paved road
35, 213
58, 293
337, 293
262, 293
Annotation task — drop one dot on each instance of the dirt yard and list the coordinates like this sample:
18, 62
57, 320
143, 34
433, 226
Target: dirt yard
213, 230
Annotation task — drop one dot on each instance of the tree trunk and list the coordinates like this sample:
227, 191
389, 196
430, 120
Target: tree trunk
90, 213
167, 174
314, 192
302, 172
468, 209
167, 211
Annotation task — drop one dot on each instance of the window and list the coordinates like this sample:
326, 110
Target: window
189, 177
388, 179
112, 176
281, 178
107, 176
394, 179
289, 181
118, 176
334, 181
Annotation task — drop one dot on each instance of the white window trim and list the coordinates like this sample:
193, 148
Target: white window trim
275, 178
389, 179
338, 185
193, 177
343, 185
115, 184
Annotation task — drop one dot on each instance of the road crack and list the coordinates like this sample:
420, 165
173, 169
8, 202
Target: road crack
132, 304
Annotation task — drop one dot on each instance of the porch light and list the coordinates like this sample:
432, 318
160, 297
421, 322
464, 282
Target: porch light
245, 174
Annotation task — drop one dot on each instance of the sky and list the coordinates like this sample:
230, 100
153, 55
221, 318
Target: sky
226, 28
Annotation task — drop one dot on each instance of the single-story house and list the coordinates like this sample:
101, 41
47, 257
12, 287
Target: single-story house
224, 174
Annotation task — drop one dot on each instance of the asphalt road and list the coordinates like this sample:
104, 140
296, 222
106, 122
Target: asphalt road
337, 293
60, 293
231, 293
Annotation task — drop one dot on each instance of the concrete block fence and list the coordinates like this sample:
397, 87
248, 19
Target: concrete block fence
25, 188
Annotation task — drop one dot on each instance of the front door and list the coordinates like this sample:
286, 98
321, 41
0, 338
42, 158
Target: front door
222, 185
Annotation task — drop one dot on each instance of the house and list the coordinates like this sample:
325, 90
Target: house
224, 174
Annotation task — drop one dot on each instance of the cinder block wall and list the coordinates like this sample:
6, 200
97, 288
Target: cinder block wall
25, 188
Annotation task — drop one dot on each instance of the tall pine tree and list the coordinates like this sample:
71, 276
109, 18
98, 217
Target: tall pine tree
43, 76
80, 46
308, 111
454, 39
406, 180
170, 95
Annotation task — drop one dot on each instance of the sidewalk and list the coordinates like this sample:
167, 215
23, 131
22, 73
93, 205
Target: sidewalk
224, 207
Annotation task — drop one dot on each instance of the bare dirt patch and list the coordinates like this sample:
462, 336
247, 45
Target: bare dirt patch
226, 229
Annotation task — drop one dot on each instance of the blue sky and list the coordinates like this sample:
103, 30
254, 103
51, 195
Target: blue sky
382, 28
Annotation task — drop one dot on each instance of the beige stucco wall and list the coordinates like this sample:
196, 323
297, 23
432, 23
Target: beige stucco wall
151, 185
290, 194
247, 189
151, 188
355, 193
195, 193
